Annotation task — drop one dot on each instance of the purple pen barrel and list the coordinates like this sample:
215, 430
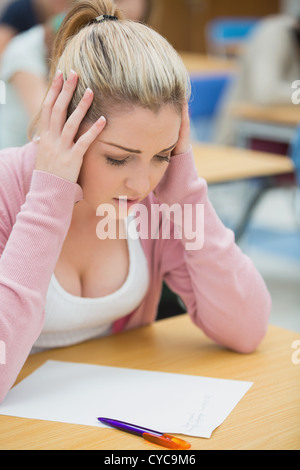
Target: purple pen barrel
127, 427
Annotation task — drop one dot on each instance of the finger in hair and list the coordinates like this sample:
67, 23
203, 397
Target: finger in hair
91, 134
60, 108
73, 123
50, 100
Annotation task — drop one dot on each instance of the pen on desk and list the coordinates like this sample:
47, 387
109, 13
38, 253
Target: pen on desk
165, 440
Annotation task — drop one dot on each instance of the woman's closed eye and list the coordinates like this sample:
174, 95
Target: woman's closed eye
113, 161
116, 162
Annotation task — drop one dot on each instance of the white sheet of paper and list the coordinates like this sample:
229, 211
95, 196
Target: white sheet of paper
79, 393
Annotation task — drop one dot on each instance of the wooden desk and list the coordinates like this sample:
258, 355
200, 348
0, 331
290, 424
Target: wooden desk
267, 417
275, 123
285, 114
204, 64
218, 164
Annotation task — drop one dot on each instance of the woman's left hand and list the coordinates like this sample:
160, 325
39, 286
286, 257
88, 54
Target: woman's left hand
172, 179
183, 144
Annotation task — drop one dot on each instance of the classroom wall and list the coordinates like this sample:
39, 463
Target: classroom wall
183, 22
189, 17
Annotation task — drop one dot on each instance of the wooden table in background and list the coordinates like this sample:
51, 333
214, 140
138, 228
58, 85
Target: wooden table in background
274, 123
218, 164
204, 64
267, 417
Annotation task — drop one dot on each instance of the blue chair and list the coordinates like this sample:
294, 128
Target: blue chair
225, 32
295, 156
207, 93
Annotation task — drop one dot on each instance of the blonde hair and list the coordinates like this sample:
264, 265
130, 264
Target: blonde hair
124, 62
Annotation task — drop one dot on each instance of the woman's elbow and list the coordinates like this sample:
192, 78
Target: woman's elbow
250, 344
254, 331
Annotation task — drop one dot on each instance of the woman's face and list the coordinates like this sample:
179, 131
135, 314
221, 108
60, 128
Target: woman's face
129, 157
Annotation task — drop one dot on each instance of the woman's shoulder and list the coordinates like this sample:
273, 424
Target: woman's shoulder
26, 51
25, 40
16, 168
17, 157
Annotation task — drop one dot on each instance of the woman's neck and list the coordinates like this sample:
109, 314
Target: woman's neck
84, 216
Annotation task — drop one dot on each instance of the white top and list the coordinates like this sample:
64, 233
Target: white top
26, 52
70, 319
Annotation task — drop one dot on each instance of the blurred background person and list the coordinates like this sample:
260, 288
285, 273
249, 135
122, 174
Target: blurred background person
268, 65
21, 15
24, 68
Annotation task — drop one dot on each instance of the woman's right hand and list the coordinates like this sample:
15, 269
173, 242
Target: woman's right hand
57, 153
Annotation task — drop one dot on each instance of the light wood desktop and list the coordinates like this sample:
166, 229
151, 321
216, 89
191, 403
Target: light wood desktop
275, 123
205, 64
277, 114
219, 164
267, 417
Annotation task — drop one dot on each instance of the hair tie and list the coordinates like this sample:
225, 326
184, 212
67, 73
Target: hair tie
101, 18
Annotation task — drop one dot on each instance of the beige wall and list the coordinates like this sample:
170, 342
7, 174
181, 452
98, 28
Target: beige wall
183, 22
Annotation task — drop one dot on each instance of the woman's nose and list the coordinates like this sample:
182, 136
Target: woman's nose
139, 182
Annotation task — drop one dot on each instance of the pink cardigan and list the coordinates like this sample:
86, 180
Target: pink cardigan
223, 293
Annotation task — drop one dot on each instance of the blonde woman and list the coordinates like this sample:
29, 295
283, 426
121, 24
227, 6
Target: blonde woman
113, 132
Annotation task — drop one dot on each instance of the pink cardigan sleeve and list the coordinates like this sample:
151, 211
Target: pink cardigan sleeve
222, 290
29, 252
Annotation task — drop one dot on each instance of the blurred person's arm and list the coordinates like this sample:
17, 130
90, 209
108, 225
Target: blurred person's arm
31, 90
268, 69
268, 83
6, 34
